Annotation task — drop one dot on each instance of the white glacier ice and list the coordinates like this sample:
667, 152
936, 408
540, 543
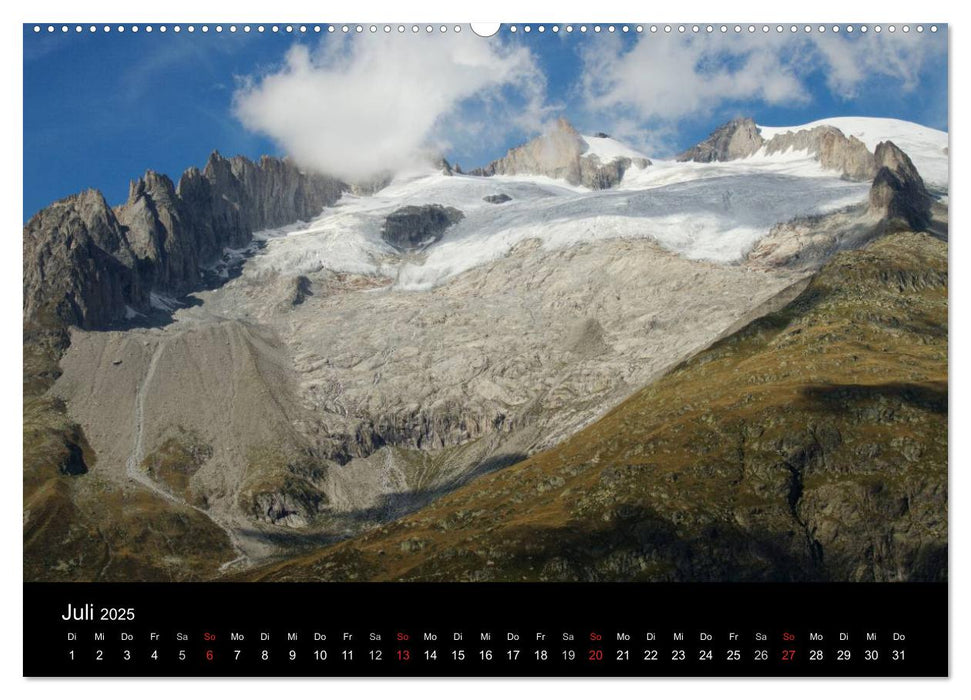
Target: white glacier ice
703, 211
927, 148
608, 149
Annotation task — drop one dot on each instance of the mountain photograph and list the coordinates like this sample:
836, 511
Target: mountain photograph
536, 307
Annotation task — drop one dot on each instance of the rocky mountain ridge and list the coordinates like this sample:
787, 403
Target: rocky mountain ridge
89, 265
741, 138
561, 153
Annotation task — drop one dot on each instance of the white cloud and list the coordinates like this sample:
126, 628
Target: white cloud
848, 63
669, 78
355, 107
647, 91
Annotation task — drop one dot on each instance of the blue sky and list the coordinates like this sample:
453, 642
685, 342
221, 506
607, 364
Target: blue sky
100, 109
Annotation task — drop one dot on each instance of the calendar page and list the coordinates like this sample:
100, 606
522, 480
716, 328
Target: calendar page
539, 349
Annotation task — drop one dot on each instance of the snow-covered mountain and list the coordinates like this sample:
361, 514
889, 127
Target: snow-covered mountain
366, 378
704, 211
608, 149
701, 213
927, 148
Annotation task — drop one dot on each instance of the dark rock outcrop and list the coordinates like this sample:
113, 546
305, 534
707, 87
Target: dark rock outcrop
448, 425
88, 265
294, 505
414, 227
301, 289
497, 198
603, 176
739, 138
73, 463
898, 192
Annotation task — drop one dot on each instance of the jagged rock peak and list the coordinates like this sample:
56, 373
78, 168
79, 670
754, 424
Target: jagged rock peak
738, 138
88, 206
443, 166
831, 147
151, 181
558, 153
888, 155
553, 153
88, 265
85, 199
214, 160
898, 193
76, 264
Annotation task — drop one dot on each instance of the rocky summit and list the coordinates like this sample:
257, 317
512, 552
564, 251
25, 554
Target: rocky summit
739, 138
577, 363
90, 265
829, 145
742, 138
562, 153
898, 193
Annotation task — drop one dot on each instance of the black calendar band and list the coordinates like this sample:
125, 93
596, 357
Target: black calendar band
452, 629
